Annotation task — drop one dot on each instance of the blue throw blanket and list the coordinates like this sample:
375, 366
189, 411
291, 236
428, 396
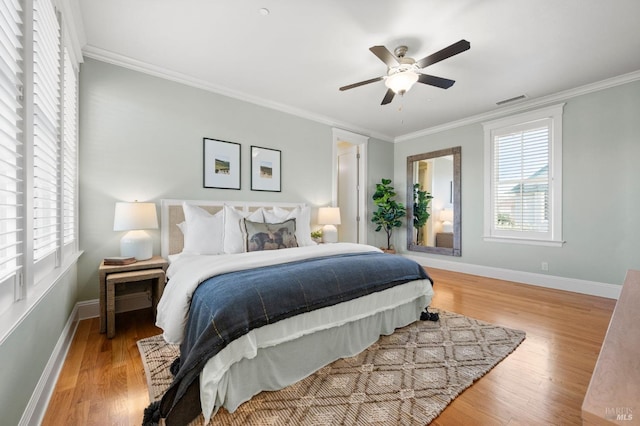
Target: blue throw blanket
228, 306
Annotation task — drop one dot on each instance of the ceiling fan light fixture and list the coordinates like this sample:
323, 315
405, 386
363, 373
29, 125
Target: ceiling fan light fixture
401, 82
403, 72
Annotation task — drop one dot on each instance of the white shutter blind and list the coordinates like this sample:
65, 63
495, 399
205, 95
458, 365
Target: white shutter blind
46, 129
10, 149
70, 138
521, 181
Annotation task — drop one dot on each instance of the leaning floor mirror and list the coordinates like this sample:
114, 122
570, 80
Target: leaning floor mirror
433, 202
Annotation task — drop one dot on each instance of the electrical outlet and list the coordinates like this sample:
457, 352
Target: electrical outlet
544, 266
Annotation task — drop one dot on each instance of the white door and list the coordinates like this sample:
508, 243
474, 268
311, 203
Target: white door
348, 196
349, 177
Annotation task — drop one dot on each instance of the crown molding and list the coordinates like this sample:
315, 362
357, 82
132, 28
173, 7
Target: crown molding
533, 103
146, 68
143, 67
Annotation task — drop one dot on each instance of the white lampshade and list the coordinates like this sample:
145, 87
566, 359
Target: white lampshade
329, 217
401, 82
446, 217
135, 217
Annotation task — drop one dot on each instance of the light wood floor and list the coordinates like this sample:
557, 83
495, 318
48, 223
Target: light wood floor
542, 382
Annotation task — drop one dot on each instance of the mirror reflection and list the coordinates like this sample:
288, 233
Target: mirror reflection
433, 202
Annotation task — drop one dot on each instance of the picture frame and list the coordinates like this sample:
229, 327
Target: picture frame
221, 164
265, 169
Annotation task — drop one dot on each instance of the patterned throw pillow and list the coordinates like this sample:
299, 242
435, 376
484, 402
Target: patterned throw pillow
270, 236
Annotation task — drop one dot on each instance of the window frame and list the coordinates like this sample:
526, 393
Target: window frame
495, 128
36, 278
12, 119
70, 127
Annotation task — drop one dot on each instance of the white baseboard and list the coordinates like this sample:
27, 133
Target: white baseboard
593, 288
37, 406
125, 303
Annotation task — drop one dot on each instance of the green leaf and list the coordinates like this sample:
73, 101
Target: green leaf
390, 212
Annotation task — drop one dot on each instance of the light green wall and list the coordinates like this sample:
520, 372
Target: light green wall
26, 351
601, 191
141, 138
378, 167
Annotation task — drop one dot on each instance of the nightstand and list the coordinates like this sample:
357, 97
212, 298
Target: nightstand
151, 269
444, 239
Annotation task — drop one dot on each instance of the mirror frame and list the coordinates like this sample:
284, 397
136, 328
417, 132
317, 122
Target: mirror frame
457, 213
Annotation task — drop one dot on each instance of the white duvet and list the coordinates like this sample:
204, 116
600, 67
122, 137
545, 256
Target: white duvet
187, 271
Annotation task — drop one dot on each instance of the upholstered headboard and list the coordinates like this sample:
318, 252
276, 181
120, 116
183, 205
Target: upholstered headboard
171, 214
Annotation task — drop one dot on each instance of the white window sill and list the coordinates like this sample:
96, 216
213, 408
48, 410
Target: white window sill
532, 242
16, 313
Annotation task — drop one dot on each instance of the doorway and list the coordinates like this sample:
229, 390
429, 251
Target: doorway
349, 185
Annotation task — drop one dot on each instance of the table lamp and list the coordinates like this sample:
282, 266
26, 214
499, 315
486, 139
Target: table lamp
329, 217
446, 217
135, 218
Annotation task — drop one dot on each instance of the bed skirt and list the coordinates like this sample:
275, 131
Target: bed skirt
279, 366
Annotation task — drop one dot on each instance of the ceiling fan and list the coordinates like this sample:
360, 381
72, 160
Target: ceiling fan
403, 71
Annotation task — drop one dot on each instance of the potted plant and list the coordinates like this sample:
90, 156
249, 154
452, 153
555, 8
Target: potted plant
389, 211
317, 235
421, 200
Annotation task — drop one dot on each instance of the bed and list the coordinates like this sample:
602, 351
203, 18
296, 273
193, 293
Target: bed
256, 305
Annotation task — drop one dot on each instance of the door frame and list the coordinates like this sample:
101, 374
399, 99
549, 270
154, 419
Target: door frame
362, 141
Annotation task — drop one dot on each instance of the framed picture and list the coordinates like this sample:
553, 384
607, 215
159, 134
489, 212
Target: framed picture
221, 164
265, 169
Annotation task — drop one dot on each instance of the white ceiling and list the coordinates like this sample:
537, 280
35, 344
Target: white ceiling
295, 58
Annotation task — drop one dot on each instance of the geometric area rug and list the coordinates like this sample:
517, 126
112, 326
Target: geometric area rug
406, 378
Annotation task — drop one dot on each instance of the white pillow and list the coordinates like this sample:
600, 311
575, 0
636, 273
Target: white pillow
303, 222
182, 226
276, 215
204, 232
235, 234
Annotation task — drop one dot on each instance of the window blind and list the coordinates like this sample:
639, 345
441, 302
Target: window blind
11, 149
46, 137
521, 181
70, 137
38, 89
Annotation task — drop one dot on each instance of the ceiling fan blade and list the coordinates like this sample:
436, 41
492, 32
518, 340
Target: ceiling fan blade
388, 97
361, 83
432, 80
445, 53
384, 55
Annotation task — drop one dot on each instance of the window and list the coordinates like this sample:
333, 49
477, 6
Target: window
10, 152
523, 178
38, 147
46, 136
70, 154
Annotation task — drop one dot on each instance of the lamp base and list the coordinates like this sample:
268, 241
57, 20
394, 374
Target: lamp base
138, 244
329, 234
